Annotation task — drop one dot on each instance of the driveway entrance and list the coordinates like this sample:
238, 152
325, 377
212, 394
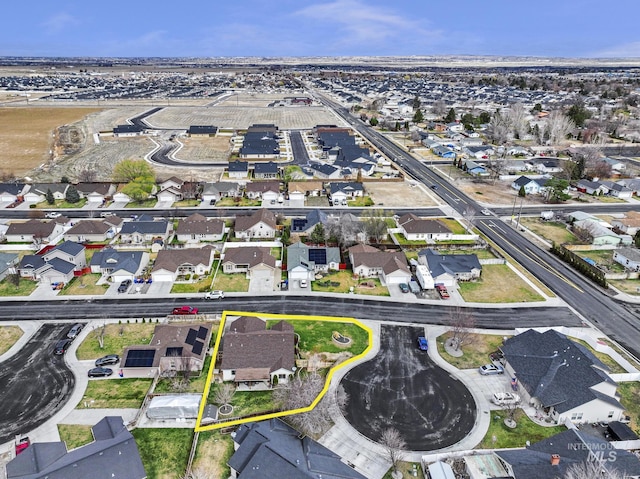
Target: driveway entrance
262, 281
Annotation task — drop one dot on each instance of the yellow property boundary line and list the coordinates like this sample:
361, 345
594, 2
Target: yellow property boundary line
200, 428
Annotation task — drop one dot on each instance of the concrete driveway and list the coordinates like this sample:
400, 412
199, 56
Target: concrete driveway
261, 282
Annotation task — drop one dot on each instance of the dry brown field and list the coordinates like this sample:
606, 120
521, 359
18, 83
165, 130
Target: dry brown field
204, 150
396, 194
26, 134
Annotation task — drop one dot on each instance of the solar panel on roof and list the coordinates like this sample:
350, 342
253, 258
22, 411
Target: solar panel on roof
191, 336
202, 332
299, 224
318, 256
140, 358
197, 347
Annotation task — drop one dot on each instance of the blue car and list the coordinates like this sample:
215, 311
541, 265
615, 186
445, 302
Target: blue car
422, 343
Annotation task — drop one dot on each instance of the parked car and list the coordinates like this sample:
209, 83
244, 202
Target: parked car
442, 291
53, 215
75, 330
107, 360
124, 286
303, 283
422, 343
217, 294
185, 310
61, 347
503, 399
489, 369
99, 372
404, 287
106, 214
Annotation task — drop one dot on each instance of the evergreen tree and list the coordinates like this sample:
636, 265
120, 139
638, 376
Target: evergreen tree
317, 235
72, 196
418, 117
521, 192
451, 116
49, 196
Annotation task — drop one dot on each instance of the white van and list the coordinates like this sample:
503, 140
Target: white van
503, 399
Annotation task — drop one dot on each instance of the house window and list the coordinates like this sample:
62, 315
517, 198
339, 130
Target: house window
283, 376
576, 416
610, 416
233, 371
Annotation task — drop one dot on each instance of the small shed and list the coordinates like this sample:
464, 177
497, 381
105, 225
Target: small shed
441, 470
174, 406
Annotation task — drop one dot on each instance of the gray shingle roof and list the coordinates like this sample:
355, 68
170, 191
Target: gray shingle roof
144, 227
449, 263
114, 260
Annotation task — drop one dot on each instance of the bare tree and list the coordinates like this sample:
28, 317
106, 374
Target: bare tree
500, 128
394, 446
87, 175
99, 333
593, 469
375, 225
518, 119
439, 108
224, 393
584, 232
184, 366
469, 215
462, 322
558, 126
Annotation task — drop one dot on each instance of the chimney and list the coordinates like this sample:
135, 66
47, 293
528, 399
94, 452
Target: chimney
555, 459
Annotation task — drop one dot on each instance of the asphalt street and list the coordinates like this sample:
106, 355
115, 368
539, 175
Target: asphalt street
402, 388
34, 384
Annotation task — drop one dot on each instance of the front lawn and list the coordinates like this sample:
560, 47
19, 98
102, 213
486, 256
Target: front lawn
228, 201
526, 430
116, 338
200, 286
85, 285
361, 201
498, 284
164, 452
246, 403
24, 288
476, 350
9, 335
454, 225
75, 435
553, 231
343, 281
118, 393
213, 452
315, 336
237, 282
630, 399
150, 203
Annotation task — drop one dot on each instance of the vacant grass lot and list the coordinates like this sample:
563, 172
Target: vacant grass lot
480, 253
231, 282
315, 336
115, 393
164, 452
8, 337
25, 287
455, 226
629, 286
213, 452
75, 435
498, 284
85, 285
346, 280
476, 350
630, 399
555, 231
505, 437
116, 338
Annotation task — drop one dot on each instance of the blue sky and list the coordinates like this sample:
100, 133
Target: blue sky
557, 28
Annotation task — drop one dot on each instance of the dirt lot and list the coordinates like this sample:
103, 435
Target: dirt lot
205, 149
398, 194
26, 137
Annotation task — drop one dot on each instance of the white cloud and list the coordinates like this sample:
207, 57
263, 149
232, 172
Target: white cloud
626, 50
60, 22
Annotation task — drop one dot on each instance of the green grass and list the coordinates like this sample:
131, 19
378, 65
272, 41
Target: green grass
455, 226
526, 430
476, 350
85, 285
237, 282
406, 468
361, 201
555, 231
213, 452
222, 202
315, 336
115, 393
116, 338
346, 280
9, 335
196, 383
150, 203
75, 435
480, 253
186, 203
25, 287
164, 452
498, 284
402, 240
246, 403
630, 399
199, 286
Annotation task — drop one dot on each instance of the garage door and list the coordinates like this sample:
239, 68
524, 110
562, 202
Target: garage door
162, 277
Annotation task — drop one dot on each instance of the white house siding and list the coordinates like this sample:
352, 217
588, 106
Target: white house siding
593, 411
397, 277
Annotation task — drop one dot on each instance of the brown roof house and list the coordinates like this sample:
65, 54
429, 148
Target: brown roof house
197, 228
369, 262
172, 263
256, 262
173, 347
253, 354
35, 231
416, 229
266, 190
261, 224
90, 230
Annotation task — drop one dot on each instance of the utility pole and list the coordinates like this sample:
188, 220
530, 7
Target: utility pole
519, 212
513, 209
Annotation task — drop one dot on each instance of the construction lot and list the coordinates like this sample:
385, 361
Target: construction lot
399, 194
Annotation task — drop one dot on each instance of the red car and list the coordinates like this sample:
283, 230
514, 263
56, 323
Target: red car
442, 290
185, 310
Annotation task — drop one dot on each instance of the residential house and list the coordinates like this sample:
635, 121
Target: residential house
447, 269
455, 127
69, 251
265, 190
113, 453
306, 225
601, 235
173, 348
264, 171
49, 271
592, 187
544, 165
277, 450
124, 131
96, 193
552, 457
628, 257
172, 263
170, 190
532, 186
325, 171
305, 188
633, 184
616, 165
341, 192
197, 228
255, 355
351, 227
117, 266
90, 231
11, 192
38, 192
144, 232
479, 152
261, 224
369, 262
202, 131
443, 151
251, 260
629, 225
561, 378
474, 169
238, 169
33, 231
8, 264
212, 192
617, 190
260, 141
417, 229
304, 262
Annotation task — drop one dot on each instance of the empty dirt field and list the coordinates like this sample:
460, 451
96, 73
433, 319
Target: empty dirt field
26, 134
396, 194
204, 150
